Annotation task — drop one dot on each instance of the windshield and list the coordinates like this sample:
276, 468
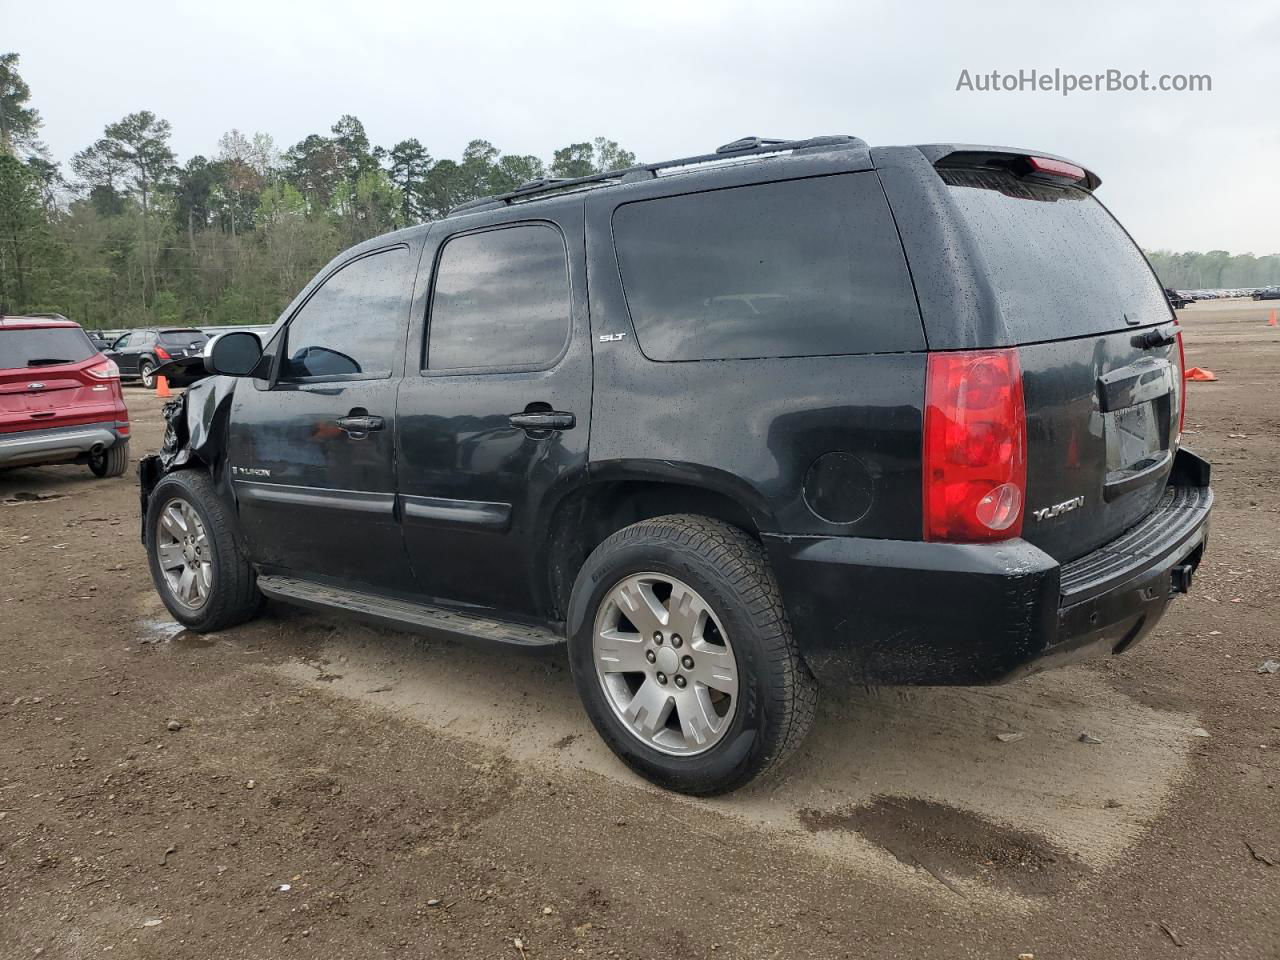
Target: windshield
1058, 262
43, 346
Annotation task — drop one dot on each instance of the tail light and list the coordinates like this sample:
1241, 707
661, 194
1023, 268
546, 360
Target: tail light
1182, 383
975, 446
105, 370
162, 353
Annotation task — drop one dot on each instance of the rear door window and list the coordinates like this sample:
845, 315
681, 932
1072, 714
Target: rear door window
352, 325
789, 269
500, 300
44, 347
1059, 264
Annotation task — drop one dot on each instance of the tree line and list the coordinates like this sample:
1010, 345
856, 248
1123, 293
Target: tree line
127, 235
1215, 270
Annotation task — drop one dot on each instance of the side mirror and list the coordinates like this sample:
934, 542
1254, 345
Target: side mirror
234, 354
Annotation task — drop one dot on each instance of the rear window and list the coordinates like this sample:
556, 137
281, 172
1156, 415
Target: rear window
182, 337
1058, 262
790, 269
44, 347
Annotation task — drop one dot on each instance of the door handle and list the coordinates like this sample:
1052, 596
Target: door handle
544, 420
359, 425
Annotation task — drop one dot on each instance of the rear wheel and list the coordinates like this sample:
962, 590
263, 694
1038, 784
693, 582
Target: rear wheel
147, 372
684, 658
111, 462
196, 564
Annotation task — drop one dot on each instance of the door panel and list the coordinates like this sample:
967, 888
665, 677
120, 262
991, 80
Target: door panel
314, 499
312, 451
477, 490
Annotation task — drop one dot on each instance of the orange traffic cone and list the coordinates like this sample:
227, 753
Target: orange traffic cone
162, 387
1201, 374
1271, 321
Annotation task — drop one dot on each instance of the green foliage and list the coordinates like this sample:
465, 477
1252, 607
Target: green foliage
19, 123
575, 160
227, 238
1216, 269
23, 233
409, 166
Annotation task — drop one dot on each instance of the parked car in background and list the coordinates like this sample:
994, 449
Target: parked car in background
1267, 293
60, 398
1176, 300
259, 328
735, 426
101, 339
139, 352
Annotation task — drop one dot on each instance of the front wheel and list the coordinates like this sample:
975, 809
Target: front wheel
196, 564
683, 656
147, 372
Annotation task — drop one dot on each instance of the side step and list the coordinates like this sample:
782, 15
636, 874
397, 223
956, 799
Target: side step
403, 614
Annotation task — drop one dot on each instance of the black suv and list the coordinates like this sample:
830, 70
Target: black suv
139, 353
736, 426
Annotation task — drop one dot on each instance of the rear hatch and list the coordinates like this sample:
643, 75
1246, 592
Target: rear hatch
1097, 343
181, 343
45, 380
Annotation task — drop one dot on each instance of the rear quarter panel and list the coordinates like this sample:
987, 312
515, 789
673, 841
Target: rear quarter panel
751, 429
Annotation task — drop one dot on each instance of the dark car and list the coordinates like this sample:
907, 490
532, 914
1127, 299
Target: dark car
139, 353
736, 426
100, 339
1267, 293
1177, 300
60, 399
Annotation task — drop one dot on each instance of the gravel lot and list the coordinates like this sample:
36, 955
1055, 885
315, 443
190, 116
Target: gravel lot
341, 791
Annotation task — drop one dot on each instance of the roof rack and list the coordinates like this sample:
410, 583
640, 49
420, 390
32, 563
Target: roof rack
743, 147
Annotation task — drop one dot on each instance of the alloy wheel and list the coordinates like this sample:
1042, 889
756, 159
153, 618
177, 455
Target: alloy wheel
665, 664
184, 553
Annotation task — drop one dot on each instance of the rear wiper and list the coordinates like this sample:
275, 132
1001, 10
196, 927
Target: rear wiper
45, 361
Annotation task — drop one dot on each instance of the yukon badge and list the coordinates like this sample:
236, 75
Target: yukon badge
251, 471
1066, 506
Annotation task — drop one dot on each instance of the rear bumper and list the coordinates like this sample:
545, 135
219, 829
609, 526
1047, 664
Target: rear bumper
900, 612
57, 444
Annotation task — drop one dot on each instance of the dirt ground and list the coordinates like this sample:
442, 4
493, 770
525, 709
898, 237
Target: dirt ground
341, 791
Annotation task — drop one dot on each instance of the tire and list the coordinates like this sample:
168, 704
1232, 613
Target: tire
146, 373
227, 591
113, 461
715, 566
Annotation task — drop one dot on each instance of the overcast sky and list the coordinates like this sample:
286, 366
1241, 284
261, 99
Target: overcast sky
1186, 171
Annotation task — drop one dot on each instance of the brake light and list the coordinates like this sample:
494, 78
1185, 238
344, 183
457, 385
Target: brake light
1056, 168
106, 370
161, 353
1182, 383
975, 446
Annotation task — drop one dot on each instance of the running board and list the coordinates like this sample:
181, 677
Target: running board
403, 614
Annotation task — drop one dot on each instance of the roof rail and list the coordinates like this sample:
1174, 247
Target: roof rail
744, 147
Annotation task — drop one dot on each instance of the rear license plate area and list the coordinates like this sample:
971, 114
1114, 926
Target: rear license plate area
1135, 436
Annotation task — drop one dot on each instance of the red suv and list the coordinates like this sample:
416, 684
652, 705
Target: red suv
60, 399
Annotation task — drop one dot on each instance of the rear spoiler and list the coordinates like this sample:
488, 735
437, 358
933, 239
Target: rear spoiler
1021, 162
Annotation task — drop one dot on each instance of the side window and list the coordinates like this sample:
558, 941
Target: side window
500, 299
351, 325
121, 342
789, 269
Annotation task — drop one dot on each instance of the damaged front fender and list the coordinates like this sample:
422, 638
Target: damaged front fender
194, 436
